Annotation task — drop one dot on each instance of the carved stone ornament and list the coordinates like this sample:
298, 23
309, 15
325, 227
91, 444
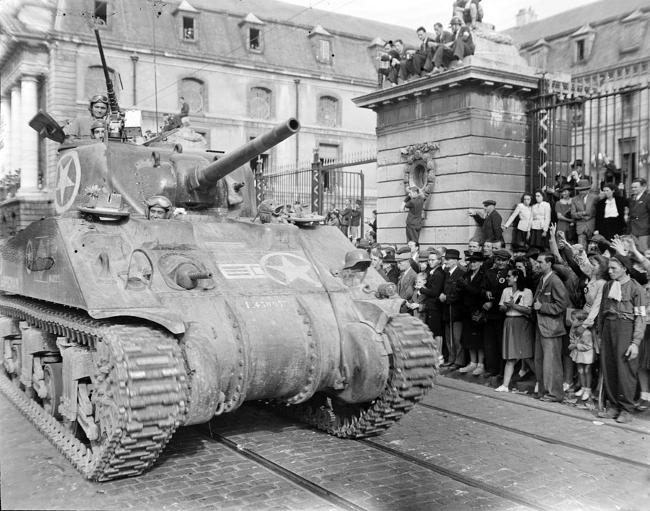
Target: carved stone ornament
420, 168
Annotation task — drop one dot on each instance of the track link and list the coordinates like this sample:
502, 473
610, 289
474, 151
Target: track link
412, 373
140, 389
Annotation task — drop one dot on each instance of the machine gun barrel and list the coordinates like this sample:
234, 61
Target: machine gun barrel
207, 176
112, 98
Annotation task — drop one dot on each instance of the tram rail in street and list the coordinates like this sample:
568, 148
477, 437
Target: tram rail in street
295, 478
541, 438
503, 398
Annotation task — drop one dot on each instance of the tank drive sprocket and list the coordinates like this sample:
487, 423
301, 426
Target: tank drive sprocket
412, 373
138, 389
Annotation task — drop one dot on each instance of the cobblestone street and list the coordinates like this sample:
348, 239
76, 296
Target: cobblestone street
463, 447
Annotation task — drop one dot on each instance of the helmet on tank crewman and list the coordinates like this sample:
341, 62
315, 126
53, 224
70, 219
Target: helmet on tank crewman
357, 260
97, 98
162, 207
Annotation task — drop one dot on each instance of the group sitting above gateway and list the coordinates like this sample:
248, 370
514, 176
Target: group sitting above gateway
117, 329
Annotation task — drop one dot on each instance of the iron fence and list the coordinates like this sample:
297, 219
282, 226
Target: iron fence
318, 184
607, 130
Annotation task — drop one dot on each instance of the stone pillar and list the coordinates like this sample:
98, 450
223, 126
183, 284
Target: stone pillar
464, 130
15, 130
5, 127
29, 149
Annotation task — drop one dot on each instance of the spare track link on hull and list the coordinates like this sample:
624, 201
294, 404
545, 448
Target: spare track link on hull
412, 373
140, 389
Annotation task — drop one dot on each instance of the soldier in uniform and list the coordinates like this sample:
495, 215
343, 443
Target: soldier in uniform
159, 207
81, 126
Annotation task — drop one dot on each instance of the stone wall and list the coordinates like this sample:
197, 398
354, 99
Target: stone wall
17, 213
476, 114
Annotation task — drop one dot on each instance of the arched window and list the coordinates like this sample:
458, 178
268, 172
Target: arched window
259, 103
328, 111
193, 90
96, 83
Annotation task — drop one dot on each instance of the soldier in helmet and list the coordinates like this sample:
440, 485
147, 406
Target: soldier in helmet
97, 129
355, 267
159, 207
81, 126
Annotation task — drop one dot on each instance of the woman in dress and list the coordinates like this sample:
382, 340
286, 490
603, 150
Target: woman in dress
563, 212
610, 213
524, 214
541, 219
516, 302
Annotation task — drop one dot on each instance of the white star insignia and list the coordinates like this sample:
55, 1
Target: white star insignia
287, 268
64, 181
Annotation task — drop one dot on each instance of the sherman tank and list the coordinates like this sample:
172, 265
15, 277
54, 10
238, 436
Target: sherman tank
117, 328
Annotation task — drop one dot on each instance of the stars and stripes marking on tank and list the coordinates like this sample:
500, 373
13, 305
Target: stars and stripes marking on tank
282, 267
68, 176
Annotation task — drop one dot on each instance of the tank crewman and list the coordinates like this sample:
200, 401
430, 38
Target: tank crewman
81, 126
159, 207
97, 130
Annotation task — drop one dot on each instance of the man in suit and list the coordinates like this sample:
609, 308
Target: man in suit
583, 211
406, 282
452, 309
449, 54
550, 303
490, 223
638, 220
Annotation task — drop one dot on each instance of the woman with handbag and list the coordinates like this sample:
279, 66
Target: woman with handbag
518, 332
474, 317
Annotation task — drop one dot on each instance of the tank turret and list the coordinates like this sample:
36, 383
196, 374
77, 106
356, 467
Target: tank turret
117, 328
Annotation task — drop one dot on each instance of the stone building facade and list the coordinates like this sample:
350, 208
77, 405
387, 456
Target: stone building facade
604, 50
243, 66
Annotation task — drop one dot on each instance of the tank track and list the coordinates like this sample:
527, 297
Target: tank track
413, 368
140, 389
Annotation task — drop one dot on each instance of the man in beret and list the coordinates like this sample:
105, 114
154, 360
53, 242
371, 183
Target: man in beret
452, 312
490, 222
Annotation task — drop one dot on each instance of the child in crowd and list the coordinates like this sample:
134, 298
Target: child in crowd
581, 346
417, 305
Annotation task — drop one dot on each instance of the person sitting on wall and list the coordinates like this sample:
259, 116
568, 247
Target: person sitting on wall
159, 207
80, 127
422, 60
389, 62
452, 54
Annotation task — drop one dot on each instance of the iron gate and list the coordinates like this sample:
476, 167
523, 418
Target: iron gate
608, 130
318, 184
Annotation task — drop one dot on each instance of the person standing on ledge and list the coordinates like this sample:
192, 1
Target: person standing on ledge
490, 223
414, 204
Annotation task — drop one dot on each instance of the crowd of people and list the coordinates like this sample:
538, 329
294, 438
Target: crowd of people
437, 51
567, 306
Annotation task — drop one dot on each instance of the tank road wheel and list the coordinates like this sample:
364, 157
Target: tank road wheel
124, 386
412, 373
136, 401
53, 380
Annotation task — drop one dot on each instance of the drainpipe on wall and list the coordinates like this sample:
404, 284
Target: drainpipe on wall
297, 135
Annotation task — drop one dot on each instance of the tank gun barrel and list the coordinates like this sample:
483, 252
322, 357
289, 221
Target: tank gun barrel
206, 177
